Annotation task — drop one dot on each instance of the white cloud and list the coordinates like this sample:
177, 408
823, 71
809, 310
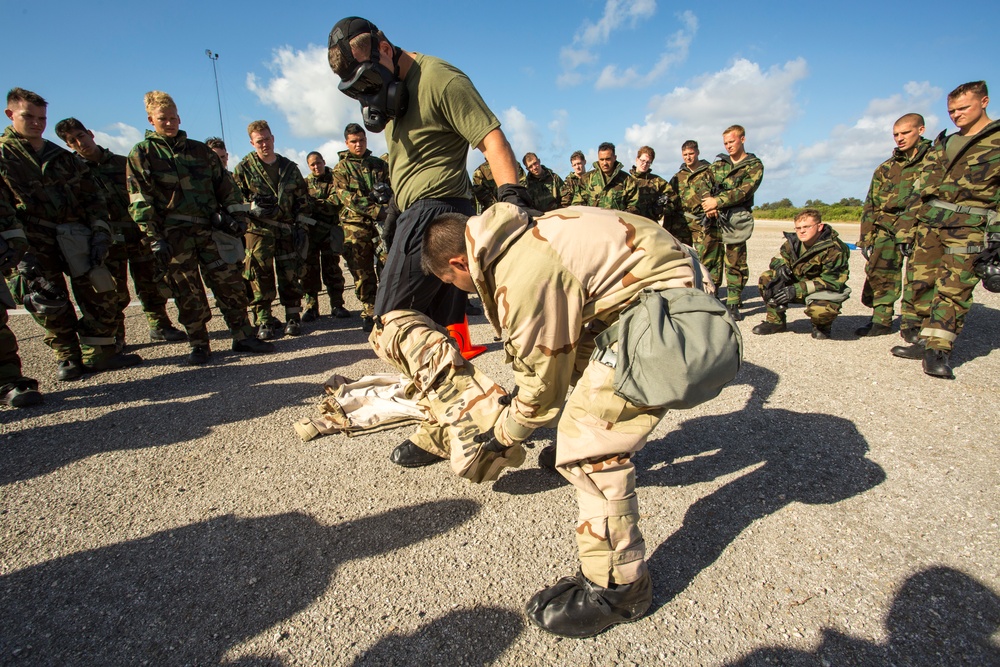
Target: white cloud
521, 133
677, 52
617, 14
119, 138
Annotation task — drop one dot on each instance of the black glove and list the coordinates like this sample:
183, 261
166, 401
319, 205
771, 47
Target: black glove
161, 251
784, 274
100, 246
663, 200
264, 205
783, 297
517, 195
11, 252
228, 224
866, 252
992, 247
905, 249
382, 193
300, 239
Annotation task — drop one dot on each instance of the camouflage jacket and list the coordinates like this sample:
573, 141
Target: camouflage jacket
176, 176
824, 266
972, 178
692, 185
294, 203
49, 186
484, 186
893, 186
325, 202
572, 184
10, 226
109, 172
736, 184
542, 288
545, 190
651, 188
619, 191
353, 180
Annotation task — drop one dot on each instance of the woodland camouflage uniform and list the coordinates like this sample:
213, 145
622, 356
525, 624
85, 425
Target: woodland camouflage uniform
270, 239
946, 241
48, 188
892, 188
175, 184
353, 180
693, 184
326, 244
545, 190
736, 185
12, 232
651, 189
572, 184
617, 191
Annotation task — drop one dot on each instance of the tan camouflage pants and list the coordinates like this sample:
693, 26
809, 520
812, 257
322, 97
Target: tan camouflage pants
462, 400
597, 434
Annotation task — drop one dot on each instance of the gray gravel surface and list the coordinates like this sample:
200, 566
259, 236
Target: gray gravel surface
834, 506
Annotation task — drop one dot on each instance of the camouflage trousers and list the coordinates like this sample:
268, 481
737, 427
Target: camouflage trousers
941, 282
707, 242
883, 277
359, 253
462, 400
130, 255
89, 337
10, 362
678, 226
270, 252
322, 267
195, 253
822, 313
737, 272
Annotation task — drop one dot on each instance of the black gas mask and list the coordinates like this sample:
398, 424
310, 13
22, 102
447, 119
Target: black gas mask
987, 265
381, 94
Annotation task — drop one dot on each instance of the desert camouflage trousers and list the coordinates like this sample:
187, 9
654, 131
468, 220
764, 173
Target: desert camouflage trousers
822, 313
195, 253
268, 253
883, 277
10, 362
130, 255
89, 337
707, 242
940, 282
322, 267
737, 272
359, 253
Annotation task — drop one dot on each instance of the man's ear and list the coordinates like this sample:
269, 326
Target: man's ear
459, 262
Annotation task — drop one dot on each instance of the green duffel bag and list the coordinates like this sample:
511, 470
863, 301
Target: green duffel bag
231, 249
737, 225
73, 239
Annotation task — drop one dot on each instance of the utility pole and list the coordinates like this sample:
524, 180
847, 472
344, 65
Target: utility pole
214, 57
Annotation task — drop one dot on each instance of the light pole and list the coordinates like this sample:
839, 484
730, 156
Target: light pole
214, 57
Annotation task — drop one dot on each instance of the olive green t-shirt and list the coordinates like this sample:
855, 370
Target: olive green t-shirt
429, 144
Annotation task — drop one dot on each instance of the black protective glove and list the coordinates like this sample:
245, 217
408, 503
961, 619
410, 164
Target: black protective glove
663, 200
382, 193
229, 224
161, 251
866, 251
264, 205
300, 240
100, 247
905, 249
11, 252
515, 194
783, 297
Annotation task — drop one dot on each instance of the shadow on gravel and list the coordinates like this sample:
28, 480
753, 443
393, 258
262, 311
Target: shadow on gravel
805, 458
941, 616
185, 596
980, 335
183, 405
471, 637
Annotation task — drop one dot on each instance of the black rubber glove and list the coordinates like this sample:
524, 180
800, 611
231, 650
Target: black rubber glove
517, 195
783, 297
382, 193
162, 251
100, 246
11, 252
905, 249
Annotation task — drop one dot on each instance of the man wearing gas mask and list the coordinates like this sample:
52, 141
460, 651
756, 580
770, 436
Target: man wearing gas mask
431, 113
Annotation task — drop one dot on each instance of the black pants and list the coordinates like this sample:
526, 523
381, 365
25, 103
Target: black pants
403, 283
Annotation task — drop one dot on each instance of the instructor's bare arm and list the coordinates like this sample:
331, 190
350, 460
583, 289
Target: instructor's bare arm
497, 151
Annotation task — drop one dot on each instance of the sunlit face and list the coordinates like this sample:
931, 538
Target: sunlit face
643, 163
606, 160
906, 135
165, 121
357, 144
223, 155
579, 167
28, 119
535, 166
316, 165
967, 109
733, 142
808, 230
82, 141
690, 156
263, 144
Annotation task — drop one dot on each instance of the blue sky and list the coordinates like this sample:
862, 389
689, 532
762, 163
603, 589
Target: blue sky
817, 85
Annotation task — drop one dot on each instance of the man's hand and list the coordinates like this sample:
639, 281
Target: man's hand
783, 297
11, 252
100, 247
518, 196
710, 205
162, 251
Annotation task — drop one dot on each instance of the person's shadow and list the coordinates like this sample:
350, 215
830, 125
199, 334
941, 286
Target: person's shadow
797, 457
185, 596
940, 616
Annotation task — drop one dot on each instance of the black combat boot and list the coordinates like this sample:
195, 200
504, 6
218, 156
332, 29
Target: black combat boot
169, 334
936, 364
114, 362
293, 327
915, 351
311, 314
70, 369
821, 332
340, 312
768, 328
199, 355
734, 310
577, 607
547, 458
253, 345
20, 394
911, 335
872, 329
409, 455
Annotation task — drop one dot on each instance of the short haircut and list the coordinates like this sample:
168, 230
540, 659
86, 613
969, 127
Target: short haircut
216, 142
690, 143
809, 213
353, 128
607, 146
340, 65
67, 125
647, 150
157, 99
914, 118
316, 153
258, 126
443, 240
22, 95
977, 88
735, 128
524, 160
577, 155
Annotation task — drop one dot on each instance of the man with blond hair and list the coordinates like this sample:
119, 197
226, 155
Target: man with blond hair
176, 185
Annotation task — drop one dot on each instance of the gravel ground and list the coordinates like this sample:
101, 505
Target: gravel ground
834, 506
